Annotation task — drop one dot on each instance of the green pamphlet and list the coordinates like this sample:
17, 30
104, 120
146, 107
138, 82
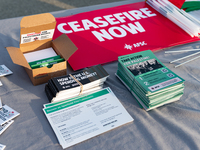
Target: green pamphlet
47, 62
150, 81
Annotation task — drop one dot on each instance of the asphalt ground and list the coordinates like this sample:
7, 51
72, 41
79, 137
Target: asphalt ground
18, 8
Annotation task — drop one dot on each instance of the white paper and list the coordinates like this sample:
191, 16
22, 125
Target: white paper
86, 117
40, 54
5, 126
2, 147
1, 83
195, 14
7, 113
4, 71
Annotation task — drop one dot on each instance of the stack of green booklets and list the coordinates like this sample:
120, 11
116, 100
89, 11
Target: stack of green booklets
150, 82
47, 62
43, 58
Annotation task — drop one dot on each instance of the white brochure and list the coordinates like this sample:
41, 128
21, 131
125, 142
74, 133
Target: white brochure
5, 126
4, 71
85, 117
7, 113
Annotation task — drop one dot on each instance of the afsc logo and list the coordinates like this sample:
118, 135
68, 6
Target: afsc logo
135, 45
139, 44
155, 87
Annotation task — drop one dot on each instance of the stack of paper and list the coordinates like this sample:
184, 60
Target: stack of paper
42, 58
5, 126
83, 117
184, 20
87, 80
4, 71
150, 82
6, 116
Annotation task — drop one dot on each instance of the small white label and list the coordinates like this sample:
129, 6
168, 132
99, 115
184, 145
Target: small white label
43, 35
170, 75
164, 70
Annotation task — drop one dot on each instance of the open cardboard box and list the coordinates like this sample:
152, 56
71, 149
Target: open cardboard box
41, 26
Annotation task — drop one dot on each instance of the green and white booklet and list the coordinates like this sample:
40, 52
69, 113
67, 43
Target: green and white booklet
81, 118
43, 58
150, 81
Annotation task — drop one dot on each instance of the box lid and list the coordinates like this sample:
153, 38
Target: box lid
36, 30
64, 46
17, 56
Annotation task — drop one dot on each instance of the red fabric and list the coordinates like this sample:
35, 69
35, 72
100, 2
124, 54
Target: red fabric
159, 33
178, 3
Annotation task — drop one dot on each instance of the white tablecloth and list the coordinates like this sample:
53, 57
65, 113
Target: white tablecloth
174, 126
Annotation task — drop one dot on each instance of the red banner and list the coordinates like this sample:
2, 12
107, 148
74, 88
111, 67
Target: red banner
178, 3
103, 35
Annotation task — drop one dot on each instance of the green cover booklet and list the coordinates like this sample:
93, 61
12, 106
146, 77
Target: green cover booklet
150, 81
47, 62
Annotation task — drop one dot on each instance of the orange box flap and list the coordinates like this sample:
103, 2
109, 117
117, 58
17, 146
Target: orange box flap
65, 45
17, 56
36, 20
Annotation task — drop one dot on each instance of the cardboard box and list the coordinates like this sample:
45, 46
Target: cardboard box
36, 34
